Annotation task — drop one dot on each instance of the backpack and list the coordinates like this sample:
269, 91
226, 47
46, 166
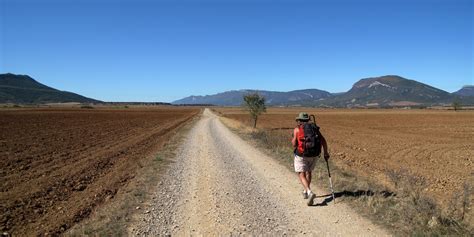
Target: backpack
309, 141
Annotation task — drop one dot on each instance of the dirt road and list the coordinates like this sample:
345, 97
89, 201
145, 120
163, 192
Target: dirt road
219, 184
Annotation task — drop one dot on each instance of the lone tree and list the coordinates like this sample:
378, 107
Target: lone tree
457, 105
255, 104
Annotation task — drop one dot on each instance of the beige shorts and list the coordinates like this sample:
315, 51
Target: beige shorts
303, 164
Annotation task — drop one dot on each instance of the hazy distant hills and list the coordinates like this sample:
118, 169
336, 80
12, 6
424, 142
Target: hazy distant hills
385, 91
465, 91
23, 89
233, 98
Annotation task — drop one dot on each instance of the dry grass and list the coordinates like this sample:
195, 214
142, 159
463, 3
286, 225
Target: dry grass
404, 208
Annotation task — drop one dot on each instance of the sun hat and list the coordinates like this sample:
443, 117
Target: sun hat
302, 116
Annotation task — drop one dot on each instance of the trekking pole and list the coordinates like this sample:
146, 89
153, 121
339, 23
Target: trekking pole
330, 182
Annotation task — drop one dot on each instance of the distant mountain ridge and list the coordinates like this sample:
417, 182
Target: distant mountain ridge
384, 91
23, 89
389, 90
467, 90
235, 98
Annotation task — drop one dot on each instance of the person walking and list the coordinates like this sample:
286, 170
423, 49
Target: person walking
307, 142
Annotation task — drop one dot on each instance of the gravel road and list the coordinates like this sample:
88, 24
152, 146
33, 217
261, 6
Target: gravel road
221, 185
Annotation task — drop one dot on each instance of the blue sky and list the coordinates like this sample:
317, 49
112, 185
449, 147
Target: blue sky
146, 50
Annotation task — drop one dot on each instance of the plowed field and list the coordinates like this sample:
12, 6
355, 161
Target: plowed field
436, 148
57, 165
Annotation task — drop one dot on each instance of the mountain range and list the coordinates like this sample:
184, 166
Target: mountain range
23, 89
384, 91
465, 91
232, 98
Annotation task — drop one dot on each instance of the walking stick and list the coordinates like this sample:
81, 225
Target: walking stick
330, 182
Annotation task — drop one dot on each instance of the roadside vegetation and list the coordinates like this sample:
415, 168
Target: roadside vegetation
404, 210
87, 107
255, 105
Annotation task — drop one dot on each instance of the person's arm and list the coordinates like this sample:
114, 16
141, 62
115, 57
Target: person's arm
325, 146
294, 140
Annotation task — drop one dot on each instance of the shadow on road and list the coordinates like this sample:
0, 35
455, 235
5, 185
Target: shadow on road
345, 193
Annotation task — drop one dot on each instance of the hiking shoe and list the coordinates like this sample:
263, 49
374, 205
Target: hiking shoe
311, 197
305, 195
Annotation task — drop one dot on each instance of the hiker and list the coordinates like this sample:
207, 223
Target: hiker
307, 141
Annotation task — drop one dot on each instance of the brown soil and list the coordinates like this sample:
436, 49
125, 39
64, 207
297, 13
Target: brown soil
436, 148
60, 164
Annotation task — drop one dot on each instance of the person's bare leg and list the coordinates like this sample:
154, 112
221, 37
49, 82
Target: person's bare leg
308, 178
303, 180
311, 195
